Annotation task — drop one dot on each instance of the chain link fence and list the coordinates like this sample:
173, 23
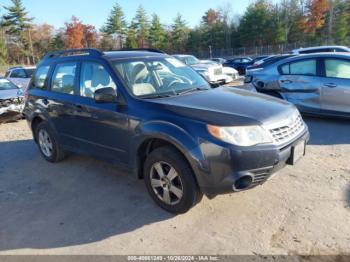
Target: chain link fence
252, 51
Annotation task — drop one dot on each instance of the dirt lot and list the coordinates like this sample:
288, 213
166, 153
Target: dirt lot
84, 206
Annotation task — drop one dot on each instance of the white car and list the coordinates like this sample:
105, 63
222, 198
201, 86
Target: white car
212, 72
230, 73
322, 49
20, 76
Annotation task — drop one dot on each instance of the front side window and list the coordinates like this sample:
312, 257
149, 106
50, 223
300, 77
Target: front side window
152, 77
63, 78
40, 77
305, 67
337, 68
93, 77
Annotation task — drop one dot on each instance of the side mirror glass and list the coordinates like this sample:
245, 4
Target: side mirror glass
105, 95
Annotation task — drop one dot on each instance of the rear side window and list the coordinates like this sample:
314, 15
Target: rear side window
305, 67
63, 78
93, 77
40, 77
337, 68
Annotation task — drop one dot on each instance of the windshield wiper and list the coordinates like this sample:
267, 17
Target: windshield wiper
191, 90
155, 96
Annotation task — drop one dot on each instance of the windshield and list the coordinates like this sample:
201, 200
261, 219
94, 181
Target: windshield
159, 76
7, 85
188, 60
30, 72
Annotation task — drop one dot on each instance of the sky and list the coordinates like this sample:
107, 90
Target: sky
95, 12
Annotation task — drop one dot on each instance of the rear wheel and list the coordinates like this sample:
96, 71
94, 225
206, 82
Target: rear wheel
48, 145
170, 181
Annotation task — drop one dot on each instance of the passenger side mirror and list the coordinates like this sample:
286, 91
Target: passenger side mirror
105, 95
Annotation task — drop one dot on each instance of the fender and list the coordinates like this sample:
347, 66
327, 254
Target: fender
174, 135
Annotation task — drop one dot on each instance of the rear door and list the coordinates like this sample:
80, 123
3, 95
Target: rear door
300, 83
60, 101
336, 85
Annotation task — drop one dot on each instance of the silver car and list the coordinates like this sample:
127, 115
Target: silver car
20, 76
315, 83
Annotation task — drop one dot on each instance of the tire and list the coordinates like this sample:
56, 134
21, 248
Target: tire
53, 153
168, 159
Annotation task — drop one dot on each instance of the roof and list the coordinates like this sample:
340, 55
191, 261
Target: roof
321, 47
22, 67
131, 54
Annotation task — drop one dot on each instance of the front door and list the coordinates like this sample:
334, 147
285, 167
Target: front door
103, 129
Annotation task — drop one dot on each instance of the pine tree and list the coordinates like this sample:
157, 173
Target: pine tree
116, 23
142, 26
17, 24
157, 35
340, 22
179, 33
17, 20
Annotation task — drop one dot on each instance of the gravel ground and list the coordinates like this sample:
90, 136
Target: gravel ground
84, 206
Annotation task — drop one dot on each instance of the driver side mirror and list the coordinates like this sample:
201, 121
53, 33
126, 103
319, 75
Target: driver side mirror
105, 95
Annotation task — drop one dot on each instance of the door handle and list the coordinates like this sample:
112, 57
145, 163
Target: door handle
286, 81
330, 85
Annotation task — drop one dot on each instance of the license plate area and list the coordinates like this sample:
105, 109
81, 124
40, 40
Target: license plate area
298, 152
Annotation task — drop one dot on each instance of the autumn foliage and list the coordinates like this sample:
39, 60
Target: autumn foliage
79, 35
315, 16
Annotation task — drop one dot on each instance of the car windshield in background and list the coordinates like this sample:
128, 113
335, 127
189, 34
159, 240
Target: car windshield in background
30, 72
6, 85
188, 60
157, 77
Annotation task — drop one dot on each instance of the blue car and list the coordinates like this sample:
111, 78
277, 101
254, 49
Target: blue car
159, 119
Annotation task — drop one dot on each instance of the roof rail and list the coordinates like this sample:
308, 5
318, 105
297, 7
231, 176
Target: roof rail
70, 52
143, 49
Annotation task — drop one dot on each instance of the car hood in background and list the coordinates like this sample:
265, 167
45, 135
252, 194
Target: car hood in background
228, 107
9, 94
203, 66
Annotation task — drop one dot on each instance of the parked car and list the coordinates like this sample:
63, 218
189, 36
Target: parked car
11, 101
158, 118
239, 63
20, 76
218, 60
230, 73
259, 58
316, 83
268, 61
212, 72
322, 49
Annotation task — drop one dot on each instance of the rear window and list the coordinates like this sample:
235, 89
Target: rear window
40, 77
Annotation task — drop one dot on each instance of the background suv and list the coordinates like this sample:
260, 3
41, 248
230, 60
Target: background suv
158, 118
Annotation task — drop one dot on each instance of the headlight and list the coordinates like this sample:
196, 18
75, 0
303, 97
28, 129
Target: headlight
241, 135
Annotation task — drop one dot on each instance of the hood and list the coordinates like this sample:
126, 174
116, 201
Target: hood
10, 93
204, 66
228, 107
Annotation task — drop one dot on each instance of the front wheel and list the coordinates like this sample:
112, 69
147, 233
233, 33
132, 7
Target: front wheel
170, 181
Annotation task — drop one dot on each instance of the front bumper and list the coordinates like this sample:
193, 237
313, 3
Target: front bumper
221, 170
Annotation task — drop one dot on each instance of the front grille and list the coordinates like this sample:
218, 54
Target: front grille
218, 71
288, 132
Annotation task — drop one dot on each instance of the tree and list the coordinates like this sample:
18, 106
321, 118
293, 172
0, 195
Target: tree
131, 38
315, 16
17, 24
74, 34
42, 36
179, 33
157, 35
58, 40
3, 51
116, 23
90, 36
341, 18
141, 25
